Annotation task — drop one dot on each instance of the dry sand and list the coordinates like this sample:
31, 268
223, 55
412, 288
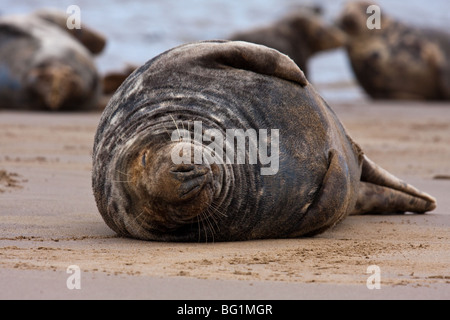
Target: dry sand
49, 221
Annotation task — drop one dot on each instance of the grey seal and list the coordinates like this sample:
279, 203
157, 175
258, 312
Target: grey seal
397, 61
42, 67
322, 175
300, 35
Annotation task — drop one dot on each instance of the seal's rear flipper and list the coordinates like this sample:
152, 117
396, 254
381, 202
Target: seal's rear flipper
252, 57
381, 192
91, 39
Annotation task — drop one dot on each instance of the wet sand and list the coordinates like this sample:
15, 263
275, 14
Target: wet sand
49, 221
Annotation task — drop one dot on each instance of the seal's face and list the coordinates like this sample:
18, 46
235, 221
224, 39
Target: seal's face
320, 36
169, 195
353, 18
54, 85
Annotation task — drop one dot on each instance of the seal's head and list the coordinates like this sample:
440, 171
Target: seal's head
319, 35
168, 195
54, 85
353, 19
311, 28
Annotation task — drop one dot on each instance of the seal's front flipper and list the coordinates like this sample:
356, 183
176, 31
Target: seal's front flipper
333, 199
382, 192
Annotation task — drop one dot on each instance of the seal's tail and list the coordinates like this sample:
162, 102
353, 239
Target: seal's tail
381, 192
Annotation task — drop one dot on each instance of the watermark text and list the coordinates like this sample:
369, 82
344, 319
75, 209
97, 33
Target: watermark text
213, 147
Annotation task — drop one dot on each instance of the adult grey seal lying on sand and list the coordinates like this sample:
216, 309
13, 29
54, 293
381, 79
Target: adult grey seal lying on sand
397, 61
321, 175
44, 67
300, 35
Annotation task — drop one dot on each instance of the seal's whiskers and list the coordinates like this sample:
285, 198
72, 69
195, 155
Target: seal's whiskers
208, 226
126, 174
167, 131
198, 227
138, 216
176, 126
211, 215
216, 210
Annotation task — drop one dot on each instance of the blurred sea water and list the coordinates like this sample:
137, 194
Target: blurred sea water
138, 30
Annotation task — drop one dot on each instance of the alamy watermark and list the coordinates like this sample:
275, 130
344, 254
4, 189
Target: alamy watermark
234, 142
74, 280
374, 280
374, 21
74, 19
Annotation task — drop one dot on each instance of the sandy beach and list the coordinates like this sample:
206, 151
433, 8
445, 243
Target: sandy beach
49, 221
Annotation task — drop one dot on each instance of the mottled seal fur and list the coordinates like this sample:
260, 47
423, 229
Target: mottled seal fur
300, 35
44, 67
397, 61
323, 175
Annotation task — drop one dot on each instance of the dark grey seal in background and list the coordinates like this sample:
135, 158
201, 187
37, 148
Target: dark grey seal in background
323, 175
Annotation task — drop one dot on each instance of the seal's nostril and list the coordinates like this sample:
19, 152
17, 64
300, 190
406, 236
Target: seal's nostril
185, 172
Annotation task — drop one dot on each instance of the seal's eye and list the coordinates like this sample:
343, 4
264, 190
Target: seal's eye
143, 160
